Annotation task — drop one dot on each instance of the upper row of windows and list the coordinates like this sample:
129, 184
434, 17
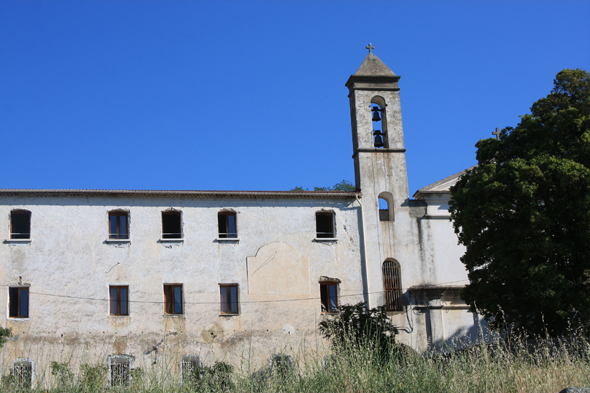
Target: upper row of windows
20, 224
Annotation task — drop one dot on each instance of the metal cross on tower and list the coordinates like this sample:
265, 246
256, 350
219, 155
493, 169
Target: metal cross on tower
497, 133
370, 47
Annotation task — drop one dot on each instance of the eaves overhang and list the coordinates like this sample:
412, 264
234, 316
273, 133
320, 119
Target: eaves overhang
196, 194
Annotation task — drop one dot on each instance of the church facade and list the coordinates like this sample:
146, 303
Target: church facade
142, 278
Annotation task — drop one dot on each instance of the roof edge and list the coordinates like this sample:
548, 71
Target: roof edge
177, 193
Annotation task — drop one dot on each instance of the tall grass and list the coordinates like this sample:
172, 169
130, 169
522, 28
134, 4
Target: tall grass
545, 366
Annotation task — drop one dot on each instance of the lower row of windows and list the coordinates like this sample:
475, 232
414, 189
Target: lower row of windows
173, 299
120, 370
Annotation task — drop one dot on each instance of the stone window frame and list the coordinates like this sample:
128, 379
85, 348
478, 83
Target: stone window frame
17, 368
122, 364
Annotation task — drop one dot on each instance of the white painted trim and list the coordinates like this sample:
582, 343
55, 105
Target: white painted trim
228, 239
118, 241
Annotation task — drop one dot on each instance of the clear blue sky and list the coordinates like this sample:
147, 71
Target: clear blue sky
250, 95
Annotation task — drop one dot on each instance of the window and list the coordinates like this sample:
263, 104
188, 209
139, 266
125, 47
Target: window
280, 364
119, 300
119, 369
22, 372
386, 207
171, 225
18, 301
229, 298
173, 298
227, 225
329, 296
20, 224
190, 368
324, 222
118, 225
392, 284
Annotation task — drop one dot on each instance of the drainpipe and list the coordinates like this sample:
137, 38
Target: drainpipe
364, 257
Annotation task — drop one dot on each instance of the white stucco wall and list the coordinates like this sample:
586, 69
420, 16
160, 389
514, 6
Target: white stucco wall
69, 265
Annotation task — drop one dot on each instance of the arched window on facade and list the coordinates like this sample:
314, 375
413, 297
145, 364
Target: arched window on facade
392, 283
379, 122
386, 207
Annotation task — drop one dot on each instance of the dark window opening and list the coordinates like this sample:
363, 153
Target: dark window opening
324, 225
280, 364
329, 296
392, 285
119, 299
173, 298
227, 225
20, 224
120, 371
118, 225
171, 225
229, 298
22, 372
18, 301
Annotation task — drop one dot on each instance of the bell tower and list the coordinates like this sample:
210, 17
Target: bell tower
390, 234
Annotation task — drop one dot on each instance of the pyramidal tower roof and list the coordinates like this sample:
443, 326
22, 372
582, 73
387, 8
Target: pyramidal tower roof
373, 66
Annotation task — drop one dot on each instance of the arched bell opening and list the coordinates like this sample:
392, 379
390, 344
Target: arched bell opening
378, 118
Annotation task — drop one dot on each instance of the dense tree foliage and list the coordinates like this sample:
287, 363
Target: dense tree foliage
524, 215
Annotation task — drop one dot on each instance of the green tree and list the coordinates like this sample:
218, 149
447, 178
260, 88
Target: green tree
524, 215
342, 186
5, 334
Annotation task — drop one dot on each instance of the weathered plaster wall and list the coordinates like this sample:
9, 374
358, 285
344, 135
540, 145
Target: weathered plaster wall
439, 244
276, 262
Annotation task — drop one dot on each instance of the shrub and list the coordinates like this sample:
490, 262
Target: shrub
359, 326
216, 378
62, 373
92, 377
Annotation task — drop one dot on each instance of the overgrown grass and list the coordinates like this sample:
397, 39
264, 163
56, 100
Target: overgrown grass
546, 366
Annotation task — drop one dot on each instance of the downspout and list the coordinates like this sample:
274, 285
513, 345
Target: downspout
364, 257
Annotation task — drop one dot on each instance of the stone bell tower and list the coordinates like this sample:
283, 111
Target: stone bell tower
390, 234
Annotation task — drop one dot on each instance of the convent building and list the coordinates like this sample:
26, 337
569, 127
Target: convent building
132, 278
